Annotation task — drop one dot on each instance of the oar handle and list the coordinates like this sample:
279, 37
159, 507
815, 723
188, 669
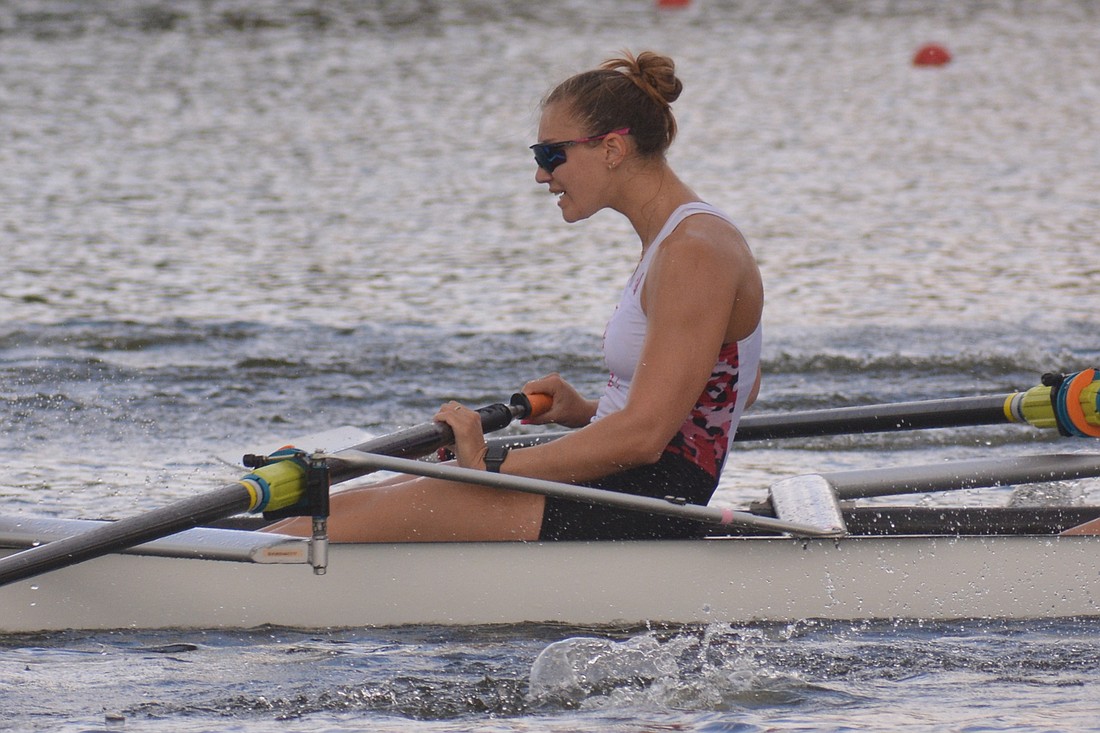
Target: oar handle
426, 438
531, 405
420, 440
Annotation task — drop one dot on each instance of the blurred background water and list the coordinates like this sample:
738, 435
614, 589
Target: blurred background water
229, 221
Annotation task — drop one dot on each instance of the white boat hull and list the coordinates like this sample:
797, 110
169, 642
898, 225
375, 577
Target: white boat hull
741, 579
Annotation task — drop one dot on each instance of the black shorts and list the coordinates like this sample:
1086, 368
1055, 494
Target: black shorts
672, 475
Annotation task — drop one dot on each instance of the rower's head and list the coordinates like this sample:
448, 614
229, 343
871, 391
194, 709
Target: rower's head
625, 96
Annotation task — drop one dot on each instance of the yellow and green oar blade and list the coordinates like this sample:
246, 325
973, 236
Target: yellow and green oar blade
1076, 407
274, 486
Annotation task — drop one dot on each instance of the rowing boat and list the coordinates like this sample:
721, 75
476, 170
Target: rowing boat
810, 551
721, 579
891, 562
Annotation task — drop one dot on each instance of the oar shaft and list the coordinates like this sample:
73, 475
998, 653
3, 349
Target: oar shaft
963, 475
899, 416
185, 514
875, 418
1033, 406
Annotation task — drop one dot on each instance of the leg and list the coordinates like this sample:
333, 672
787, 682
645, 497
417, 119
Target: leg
426, 510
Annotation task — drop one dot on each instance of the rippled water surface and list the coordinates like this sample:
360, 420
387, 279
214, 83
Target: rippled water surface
229, 222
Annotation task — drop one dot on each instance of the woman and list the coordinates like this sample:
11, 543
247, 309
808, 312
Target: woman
683, 345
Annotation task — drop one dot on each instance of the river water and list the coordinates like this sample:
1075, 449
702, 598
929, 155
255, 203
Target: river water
231, 221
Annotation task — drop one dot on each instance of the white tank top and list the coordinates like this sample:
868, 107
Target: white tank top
720, 406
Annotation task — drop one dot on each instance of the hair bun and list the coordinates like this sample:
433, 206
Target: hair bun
653, 73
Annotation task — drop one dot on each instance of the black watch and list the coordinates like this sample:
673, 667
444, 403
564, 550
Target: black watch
494, 456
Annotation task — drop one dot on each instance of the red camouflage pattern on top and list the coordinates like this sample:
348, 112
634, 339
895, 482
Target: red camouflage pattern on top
703, 439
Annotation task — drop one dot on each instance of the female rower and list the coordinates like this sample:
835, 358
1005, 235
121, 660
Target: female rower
683, 345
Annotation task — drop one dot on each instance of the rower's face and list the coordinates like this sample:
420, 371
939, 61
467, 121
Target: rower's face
576, 174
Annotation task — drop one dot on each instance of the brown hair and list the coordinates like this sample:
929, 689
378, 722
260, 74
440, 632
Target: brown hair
635, 92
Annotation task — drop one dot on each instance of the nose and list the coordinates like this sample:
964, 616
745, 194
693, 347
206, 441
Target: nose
542, 176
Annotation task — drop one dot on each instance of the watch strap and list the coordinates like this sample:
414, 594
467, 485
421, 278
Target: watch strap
494, 456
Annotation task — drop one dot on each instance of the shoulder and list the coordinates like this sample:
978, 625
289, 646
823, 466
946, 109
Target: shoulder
704, 238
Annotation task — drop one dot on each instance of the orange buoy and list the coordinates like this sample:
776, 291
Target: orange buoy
673, 3
931, 54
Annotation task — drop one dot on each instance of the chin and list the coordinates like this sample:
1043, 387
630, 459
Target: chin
572, 215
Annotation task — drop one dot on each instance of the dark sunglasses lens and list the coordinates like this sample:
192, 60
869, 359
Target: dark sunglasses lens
549, 157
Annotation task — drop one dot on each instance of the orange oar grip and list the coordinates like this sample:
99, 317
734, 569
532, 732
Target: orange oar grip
540, 404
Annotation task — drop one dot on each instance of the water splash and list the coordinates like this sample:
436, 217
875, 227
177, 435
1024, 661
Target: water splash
718, 667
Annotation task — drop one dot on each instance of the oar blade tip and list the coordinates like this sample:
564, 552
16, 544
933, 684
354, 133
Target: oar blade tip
808, 500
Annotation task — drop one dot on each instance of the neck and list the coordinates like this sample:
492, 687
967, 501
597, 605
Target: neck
650, 197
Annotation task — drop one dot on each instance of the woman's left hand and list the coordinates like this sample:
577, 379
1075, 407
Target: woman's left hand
469, 445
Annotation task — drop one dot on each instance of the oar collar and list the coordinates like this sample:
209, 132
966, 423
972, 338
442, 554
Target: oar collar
1075, 413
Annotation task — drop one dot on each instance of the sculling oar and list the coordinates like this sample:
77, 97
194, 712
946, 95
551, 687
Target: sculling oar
1070, 403
275, 487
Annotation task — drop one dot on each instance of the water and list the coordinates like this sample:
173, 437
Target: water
972, 676
224, 223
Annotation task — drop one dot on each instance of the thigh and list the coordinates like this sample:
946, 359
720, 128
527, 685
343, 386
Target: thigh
427, 510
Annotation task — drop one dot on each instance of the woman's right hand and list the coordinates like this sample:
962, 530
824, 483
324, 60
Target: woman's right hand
569, 409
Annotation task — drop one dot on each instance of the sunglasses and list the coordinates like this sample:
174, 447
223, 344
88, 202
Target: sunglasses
550, 155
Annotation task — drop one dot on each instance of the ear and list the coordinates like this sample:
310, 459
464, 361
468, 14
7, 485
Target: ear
615, 150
